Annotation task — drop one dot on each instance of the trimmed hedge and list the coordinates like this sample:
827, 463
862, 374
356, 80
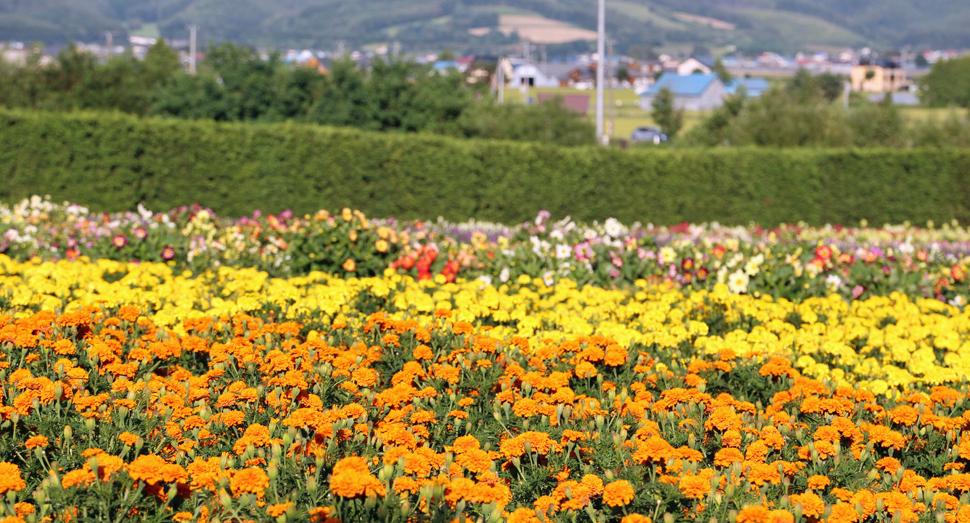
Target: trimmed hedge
112, 162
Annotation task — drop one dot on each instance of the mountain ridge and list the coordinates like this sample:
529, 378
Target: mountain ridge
749, 25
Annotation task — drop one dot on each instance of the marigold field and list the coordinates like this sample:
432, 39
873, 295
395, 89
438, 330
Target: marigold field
181, 391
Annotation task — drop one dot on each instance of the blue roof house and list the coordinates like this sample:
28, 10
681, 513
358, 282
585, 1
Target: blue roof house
753, 87
693, 92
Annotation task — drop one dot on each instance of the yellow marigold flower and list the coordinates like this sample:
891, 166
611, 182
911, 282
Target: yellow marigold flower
618, 493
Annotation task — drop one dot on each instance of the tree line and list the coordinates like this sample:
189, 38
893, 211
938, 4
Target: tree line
807, 111
238, 84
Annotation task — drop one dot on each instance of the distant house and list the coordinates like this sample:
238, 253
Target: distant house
445, 65
878, 76
753, 87
532, 75
692, 92
704, 64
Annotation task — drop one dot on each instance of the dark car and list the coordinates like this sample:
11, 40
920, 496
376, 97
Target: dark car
648, 135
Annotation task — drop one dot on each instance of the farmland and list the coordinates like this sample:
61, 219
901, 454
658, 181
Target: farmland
154, 368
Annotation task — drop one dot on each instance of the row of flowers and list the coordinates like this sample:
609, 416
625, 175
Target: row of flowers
881, 343
794, 262
233, 398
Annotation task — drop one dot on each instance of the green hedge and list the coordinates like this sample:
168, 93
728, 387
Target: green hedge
113, 162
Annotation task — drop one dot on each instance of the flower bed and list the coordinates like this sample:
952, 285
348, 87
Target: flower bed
790, 262
232, 396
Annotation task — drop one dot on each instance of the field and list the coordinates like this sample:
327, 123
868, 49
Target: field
540, 30
180, 366
629, 115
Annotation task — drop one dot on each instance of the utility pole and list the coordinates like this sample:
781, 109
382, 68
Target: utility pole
193, 33
340, 48
500, 81
109, 43
611, 81
397, 48
600, 64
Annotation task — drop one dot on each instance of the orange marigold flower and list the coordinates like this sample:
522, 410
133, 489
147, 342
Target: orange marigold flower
754, 514
812, 505
726, 457
36, 441
818, 482
843, 513
352, 479
695, 486
731, 438
83, 478
523, 515
618, 493
276, 510
636, 518
887, 464
904, 415
252, 480
153, 469
10, 479
654, 449
128, 438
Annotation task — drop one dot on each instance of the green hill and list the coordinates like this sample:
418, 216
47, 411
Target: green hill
752, 25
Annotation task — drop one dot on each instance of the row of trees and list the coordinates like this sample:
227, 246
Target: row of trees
804, 113
238, 84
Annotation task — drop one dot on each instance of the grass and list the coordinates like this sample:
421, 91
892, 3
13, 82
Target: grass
801, 28
628, 115
933, 114
645, 14
147, 31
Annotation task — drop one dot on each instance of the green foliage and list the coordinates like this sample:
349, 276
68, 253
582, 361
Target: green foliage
237, 84
113, 162
78, 81
802, 114
722, 71
948, 83
548, 122
668, 117
807, 87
